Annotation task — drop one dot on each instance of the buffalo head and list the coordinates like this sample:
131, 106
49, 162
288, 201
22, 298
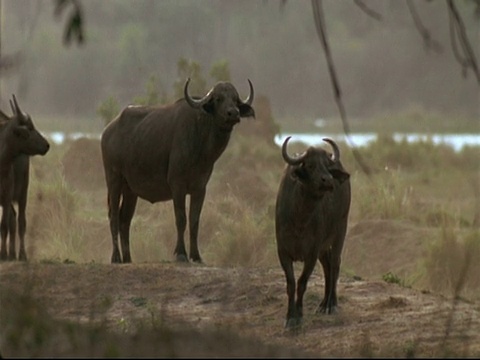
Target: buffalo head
316, 169
26, 138
223, 103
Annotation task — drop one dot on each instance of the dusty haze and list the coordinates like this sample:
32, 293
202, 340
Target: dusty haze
383, 65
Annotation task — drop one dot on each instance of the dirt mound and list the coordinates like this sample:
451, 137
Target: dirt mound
82, 164
128, 302
376, 247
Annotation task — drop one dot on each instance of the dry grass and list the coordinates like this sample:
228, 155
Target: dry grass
404, 226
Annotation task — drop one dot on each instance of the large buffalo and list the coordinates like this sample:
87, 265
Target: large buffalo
165, 153
312, 207
18, 141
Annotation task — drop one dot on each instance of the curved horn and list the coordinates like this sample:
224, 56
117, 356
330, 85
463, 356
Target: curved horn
249, 99
336, 150
14, 110
289, 160
196, 104
16, 104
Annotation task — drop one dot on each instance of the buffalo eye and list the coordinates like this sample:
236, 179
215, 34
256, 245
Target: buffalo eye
300, 172
246, 110
209, 107
339, 173
21, 132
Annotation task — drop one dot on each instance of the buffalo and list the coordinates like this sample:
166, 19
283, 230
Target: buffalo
311, 215
18, 141
163, 153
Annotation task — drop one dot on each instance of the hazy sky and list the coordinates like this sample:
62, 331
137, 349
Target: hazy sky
383, 66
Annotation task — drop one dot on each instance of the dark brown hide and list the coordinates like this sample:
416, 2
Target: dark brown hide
18, 141
312, 207
165, 153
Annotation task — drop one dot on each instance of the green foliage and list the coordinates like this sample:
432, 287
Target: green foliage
108, 109
392, 278
154, 94
220, 71
189, 69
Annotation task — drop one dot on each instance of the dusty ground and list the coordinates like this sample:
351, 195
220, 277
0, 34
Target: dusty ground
166, 309
375, 318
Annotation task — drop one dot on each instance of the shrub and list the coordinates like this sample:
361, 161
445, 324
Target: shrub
451, 265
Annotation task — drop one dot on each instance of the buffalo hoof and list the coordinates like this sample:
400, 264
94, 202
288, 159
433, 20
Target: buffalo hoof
12, 257
326, 310
181, 258
116, 258
293, 323
22, 256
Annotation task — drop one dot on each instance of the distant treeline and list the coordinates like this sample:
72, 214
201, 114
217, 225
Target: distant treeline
383, 66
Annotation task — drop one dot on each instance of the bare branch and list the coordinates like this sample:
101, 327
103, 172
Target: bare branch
74, 26
321, 32
453, 43
429, 42
457, 30
367, 10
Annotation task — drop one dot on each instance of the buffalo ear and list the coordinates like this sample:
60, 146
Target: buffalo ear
246, 110
299, 173
208, 107
338, 172
21, 132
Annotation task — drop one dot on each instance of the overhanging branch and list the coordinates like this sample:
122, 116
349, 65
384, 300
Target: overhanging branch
457, 30
321, 31
367, 10
429, 42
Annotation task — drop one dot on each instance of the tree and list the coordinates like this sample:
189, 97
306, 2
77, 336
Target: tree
464, 55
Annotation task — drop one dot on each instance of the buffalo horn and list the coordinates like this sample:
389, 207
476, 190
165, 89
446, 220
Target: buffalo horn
193, 102
16, 103
289, 160
13, 108
336, 151
249, 99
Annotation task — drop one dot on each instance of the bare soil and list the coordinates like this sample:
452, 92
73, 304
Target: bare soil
168, 309
375, 318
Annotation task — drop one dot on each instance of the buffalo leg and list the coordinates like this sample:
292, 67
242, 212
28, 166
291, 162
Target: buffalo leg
22, 227
329, 302
308, 267
4, 232
331, 261
12, 230
129, 203
181, 224
196, 204
114, 188
293, 319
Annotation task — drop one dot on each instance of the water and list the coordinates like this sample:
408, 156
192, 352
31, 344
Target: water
457, 141
59, 137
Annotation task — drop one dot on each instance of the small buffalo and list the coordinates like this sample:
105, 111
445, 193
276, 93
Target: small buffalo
166, 153
18, 141
312, 207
